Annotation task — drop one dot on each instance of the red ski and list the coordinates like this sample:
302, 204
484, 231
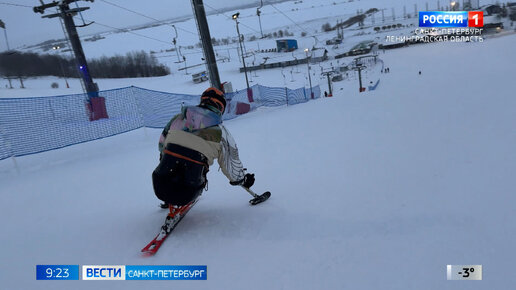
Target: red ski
154, 245
167, 228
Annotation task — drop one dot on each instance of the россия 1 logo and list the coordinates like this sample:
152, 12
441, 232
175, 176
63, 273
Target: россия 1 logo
451, 19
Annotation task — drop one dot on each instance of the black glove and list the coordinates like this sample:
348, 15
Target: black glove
247, 182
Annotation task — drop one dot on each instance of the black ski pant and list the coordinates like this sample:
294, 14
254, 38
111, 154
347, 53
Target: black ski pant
180, 176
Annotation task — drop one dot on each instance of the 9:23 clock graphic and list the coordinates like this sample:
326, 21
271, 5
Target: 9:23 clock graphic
57, 272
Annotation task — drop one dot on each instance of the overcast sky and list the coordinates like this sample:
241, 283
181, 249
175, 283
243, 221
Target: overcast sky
26, 27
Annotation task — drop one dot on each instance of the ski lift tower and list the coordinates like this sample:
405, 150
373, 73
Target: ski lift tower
96, 104
204, 34
358, 66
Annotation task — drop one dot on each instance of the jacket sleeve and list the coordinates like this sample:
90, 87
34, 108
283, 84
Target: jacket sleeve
228, 159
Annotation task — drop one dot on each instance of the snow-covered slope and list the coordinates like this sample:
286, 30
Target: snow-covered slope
297, 17
379, 190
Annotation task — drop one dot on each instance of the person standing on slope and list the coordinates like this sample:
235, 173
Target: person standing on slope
188, 145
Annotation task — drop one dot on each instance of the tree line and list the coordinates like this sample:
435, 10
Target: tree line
131, 65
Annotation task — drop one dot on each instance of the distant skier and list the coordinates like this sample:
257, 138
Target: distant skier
188, 145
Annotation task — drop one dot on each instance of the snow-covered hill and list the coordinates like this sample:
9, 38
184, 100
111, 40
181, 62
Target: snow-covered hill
304, 19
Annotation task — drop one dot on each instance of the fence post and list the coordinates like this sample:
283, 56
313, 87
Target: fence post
139, 108
16, 165
11, 152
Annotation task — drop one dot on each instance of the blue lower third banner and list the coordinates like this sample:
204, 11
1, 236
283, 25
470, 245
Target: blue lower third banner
133, 272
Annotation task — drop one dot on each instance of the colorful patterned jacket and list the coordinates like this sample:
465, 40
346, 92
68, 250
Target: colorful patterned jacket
200, 129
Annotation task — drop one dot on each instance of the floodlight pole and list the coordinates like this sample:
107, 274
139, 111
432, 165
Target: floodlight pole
249, 91
258, 12
204, 33
2, 25
56, 47
174, 41
309, 77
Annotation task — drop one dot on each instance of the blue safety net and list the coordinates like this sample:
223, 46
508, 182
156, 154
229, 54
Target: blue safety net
33, 125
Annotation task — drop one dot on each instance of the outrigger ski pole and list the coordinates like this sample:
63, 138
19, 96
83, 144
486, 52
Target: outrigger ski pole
257, 198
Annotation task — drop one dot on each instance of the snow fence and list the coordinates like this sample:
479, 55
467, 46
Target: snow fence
34, 125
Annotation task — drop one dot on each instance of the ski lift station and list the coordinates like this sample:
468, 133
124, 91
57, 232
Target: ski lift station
286, 45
